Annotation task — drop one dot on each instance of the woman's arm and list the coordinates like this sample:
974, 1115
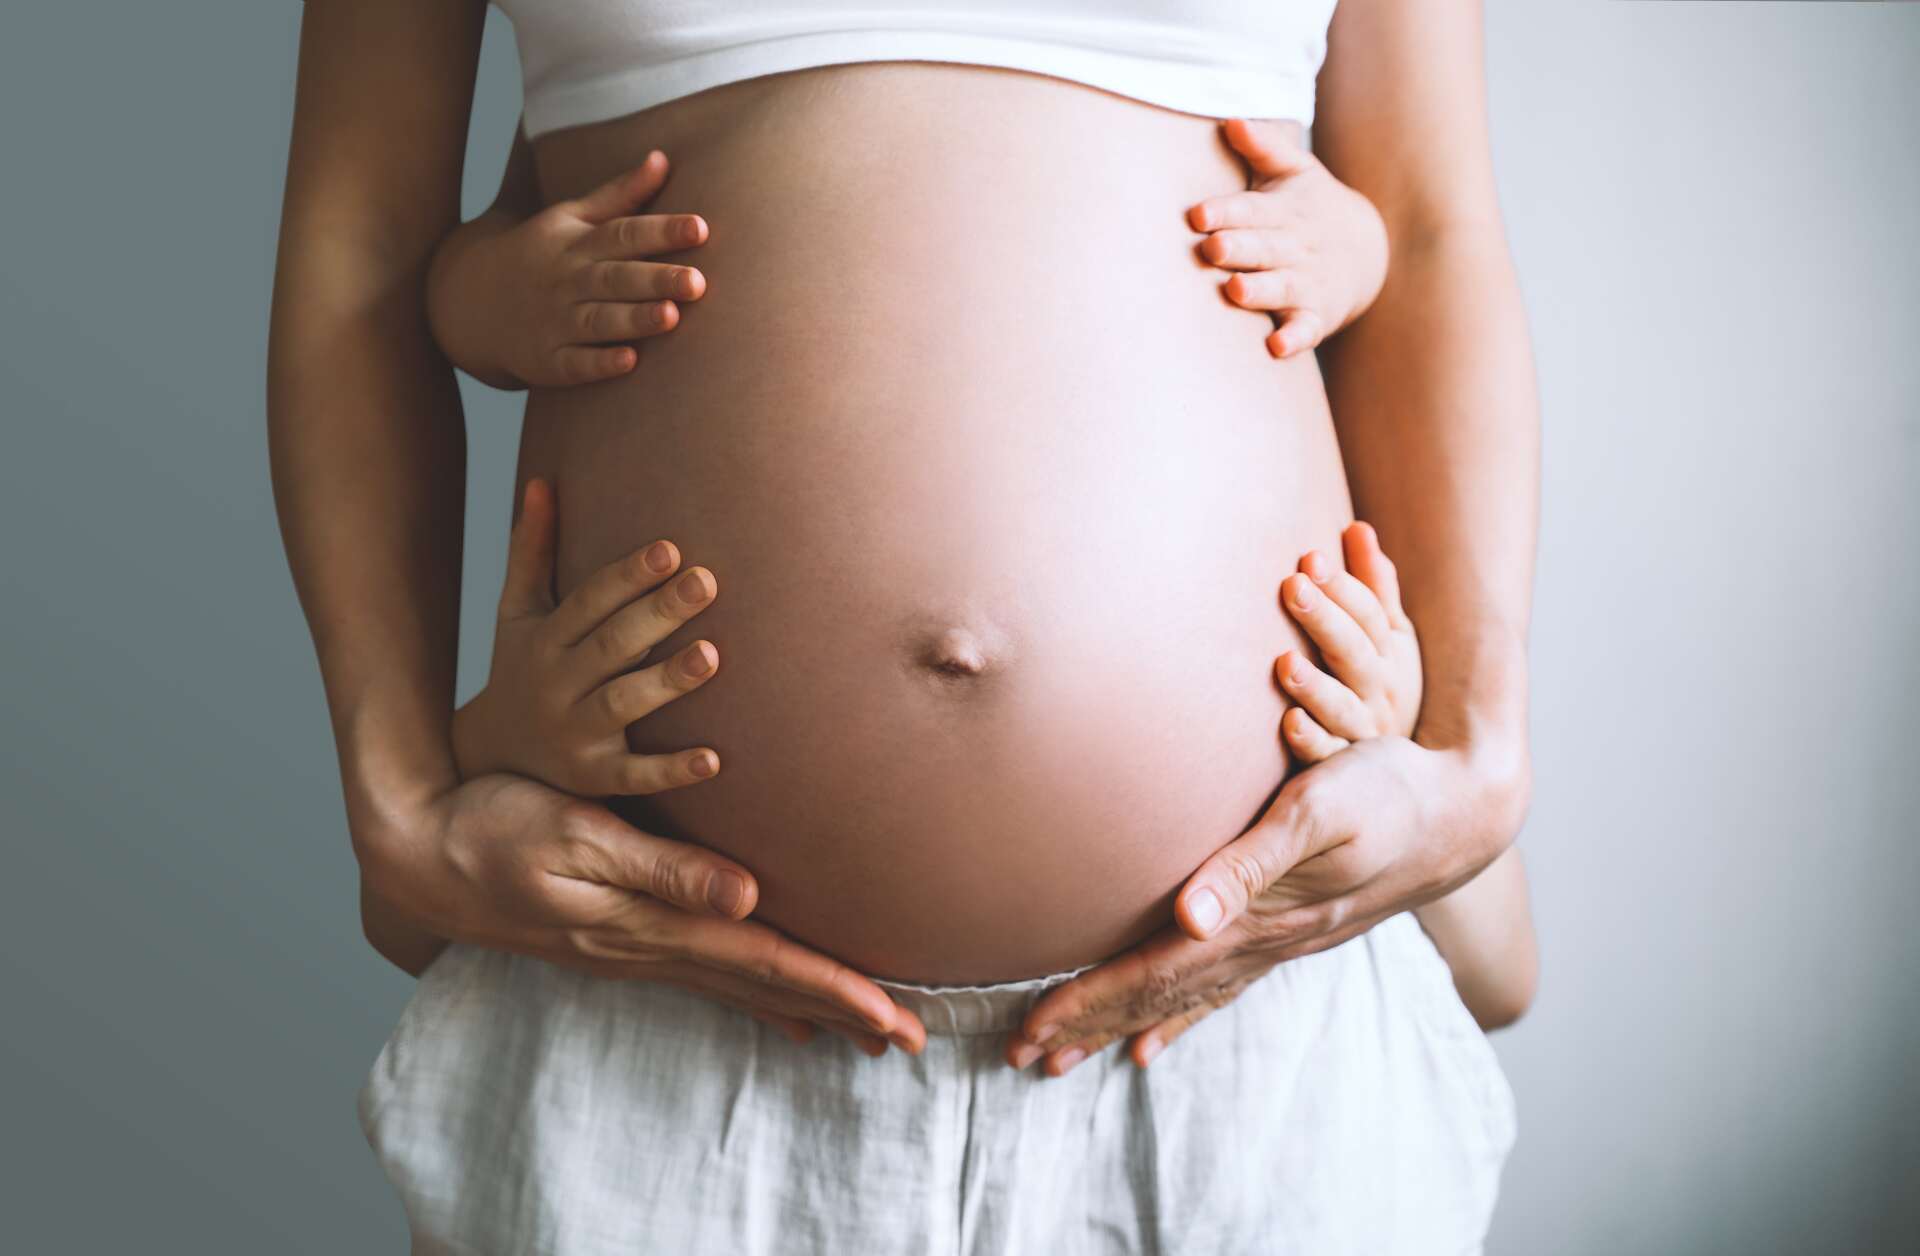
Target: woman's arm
1433, 395
368, 456
366, 437
1433, 390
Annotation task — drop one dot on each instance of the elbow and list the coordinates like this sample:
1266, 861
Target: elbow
1501, 1004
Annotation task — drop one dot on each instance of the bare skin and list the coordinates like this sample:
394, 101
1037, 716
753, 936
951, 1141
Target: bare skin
384, 684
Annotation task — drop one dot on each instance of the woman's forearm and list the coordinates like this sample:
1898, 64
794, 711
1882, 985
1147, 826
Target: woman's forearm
365, 433
1433, 394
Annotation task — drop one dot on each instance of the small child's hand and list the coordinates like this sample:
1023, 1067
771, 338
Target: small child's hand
1369, 646
1309, 249
560, 693
548, 301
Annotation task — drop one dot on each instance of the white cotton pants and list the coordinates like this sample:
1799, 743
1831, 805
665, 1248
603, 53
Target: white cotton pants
1345, 1103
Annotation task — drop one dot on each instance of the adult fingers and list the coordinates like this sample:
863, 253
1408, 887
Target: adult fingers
1061, 1062
596, 322
755, 999
1307, 739
529, 584
630, 633
1147, 1045
1367, 561
637, 695
1351, 595
1221, 889
610, 588
1349, 651
771, 958
1329, 703
1250, 249
1136, 987
598, 846
623, 193
1299, 330
1267, 146
640, 281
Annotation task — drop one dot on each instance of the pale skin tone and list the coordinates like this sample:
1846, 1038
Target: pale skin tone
368, 467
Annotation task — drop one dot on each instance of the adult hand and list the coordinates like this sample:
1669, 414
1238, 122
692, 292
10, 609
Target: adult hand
505, 862
1381, 827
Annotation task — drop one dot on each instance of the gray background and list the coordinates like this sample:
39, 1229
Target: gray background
1713, 209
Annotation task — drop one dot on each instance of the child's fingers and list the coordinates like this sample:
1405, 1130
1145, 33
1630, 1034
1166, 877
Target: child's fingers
623, 193
630, 633
643, 235
1263, 290
1353, 597
1299, 330
1349, 651
596, 322
1250, 248
1366, 560
637, 695
639, 281
627, 775
1332, 705
588, 364
1233, 209
528, 589
1308, 742
1267, 146
610, 588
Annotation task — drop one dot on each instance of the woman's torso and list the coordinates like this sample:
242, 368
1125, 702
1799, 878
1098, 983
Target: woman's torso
998, 491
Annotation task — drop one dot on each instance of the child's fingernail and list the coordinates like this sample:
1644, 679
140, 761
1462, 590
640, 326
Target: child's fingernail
1303, 596
704, 764
658, 557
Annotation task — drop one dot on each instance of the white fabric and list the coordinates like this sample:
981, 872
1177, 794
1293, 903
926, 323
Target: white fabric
1345, 1104
590, 60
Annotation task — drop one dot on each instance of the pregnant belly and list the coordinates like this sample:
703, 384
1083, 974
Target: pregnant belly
998, 493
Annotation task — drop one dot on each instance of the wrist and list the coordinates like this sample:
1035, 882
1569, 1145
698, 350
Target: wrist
457, 292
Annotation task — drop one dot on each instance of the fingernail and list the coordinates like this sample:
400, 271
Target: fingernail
1070, 1057
1303, 595
1024, 1054
1149, 1049
1203, 908
693, 586
1043, 1033
659, 556
704, 764
698, 662
726, 891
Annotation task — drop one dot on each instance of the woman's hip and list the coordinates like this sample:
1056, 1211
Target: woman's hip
1341, 1104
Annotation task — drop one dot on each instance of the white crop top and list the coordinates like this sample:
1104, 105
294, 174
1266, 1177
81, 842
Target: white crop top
591, 60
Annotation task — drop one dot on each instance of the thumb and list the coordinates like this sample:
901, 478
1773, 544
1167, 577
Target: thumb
1241, 871
1269, 150
624, 193
529, 584
606, 849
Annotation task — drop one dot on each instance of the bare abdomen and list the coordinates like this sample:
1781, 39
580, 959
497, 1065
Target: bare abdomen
998, 493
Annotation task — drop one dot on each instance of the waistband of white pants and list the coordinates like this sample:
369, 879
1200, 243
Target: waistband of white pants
957, 1011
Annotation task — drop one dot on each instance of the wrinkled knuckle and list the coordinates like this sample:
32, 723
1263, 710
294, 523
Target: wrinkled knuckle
1249, 871
612, 700
670, 879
